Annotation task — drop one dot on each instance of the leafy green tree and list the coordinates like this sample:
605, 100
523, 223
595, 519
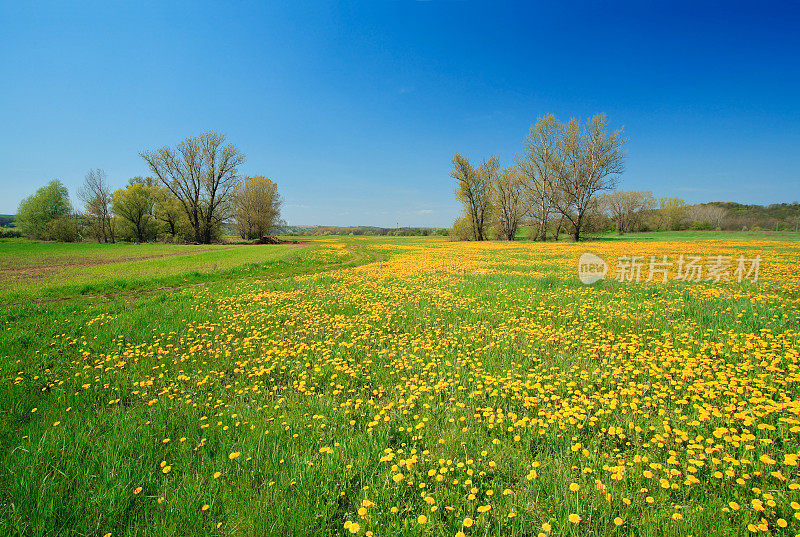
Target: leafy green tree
169, 213
134, 205
256, 207
671, 213
462, 229
47, 215
474, 191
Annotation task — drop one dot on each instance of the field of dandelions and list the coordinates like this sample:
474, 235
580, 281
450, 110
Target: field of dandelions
431, 388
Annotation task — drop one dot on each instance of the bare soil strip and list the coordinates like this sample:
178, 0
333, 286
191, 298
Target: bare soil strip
354, 261
13, 271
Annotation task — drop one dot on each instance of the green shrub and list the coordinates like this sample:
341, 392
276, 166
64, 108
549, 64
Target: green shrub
701, 226
462, 230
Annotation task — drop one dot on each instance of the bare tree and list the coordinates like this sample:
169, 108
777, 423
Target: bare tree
474, 191
589, 162
717, 215
97, 199
509, 202
626, 207
713, 215
201, 173
539, 166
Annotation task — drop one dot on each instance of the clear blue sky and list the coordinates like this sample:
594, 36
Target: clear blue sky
355, 109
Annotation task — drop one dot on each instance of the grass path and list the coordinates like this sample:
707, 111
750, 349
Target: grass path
358, 255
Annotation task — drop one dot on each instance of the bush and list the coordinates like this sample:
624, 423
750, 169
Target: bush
37, 213
64, 229
461, 230
10, 233
701, 226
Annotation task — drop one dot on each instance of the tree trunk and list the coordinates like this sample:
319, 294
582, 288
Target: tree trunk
576, 234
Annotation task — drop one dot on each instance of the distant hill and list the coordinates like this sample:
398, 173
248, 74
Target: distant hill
7, 220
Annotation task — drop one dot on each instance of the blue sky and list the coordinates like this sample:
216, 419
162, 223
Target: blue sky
356, 109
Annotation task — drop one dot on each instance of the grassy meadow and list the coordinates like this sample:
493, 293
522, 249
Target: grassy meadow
397, 386
41, 270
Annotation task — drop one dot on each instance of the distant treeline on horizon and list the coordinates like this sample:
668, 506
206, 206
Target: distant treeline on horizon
362, 230
740, 216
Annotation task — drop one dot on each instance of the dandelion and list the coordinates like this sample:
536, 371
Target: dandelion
574, 518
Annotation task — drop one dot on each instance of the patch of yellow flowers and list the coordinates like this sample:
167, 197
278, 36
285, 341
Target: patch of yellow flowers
606, 406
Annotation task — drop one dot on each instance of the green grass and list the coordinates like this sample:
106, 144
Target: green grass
43, 270
308, 350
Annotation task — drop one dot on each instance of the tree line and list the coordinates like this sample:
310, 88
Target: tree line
195, 191
367, 231
564, 181
563, 168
